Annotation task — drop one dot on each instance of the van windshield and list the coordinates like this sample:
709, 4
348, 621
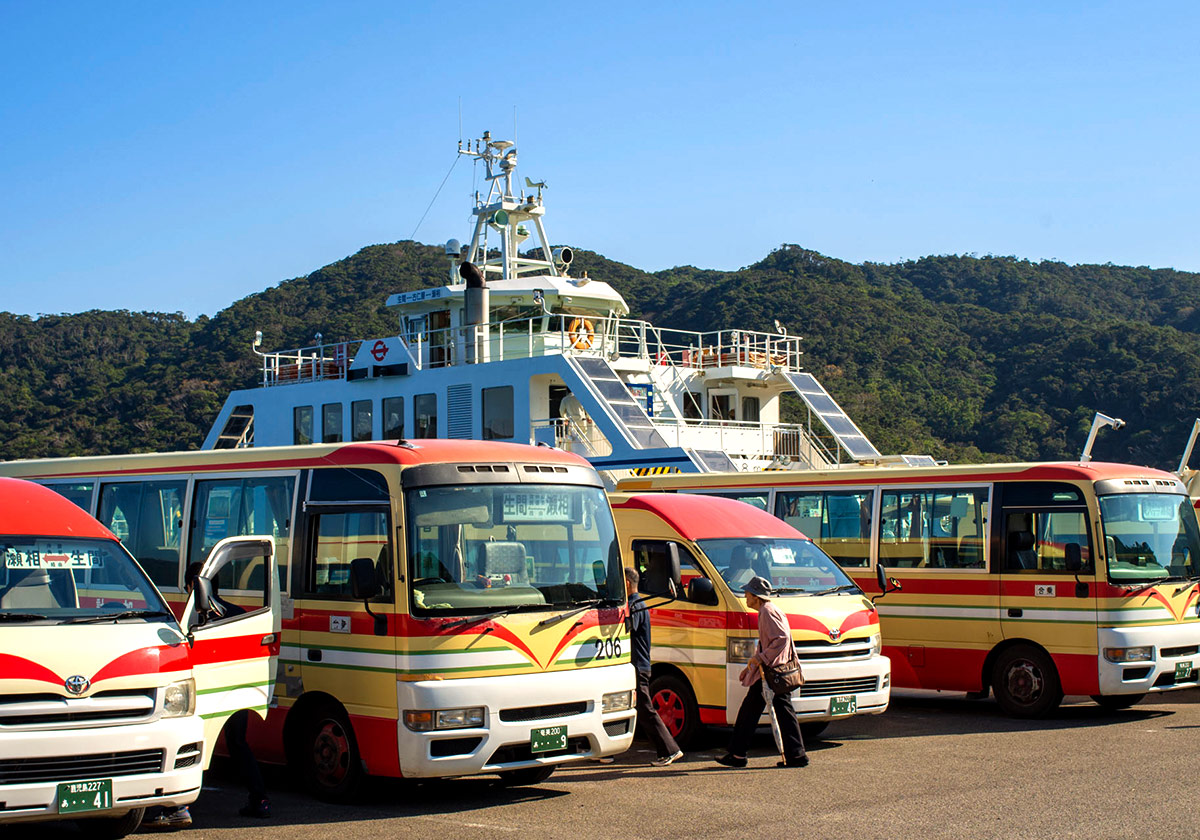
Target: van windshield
56, 579
794, 567
481, 548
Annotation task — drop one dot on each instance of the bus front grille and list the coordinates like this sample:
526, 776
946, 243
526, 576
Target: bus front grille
556, 710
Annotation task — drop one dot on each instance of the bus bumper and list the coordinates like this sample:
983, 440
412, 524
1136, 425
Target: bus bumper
1176, 662
515, 706
827, 690
76, 750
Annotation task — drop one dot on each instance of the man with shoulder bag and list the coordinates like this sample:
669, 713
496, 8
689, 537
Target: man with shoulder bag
771, 675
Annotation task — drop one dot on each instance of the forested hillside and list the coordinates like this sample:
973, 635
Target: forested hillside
963, 358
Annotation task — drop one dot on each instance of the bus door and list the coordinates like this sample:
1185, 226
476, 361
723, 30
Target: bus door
1043, 599
940, 627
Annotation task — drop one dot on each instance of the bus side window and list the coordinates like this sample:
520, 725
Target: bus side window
340, 538
146, 515
238, 507
1036, 541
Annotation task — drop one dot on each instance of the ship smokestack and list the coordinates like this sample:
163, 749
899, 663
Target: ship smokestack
477, 304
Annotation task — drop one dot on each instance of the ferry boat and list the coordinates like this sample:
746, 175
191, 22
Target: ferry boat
516, 347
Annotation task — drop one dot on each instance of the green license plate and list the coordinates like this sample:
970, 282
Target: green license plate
549, 739
1183, 671
76, 797
843, 705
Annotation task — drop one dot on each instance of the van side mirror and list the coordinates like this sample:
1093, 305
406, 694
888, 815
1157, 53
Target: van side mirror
202, 594
663, 575
1073, 557
700, 590
364, 585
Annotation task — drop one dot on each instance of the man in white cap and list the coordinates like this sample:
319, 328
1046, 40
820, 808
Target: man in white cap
774, 649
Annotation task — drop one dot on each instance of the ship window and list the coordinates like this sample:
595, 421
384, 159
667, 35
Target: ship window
302, 425
750, 409
498, 413
361, 420
393, 418
331, 423
425, 415
691, 406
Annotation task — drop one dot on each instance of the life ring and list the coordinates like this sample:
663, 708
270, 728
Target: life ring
581, 333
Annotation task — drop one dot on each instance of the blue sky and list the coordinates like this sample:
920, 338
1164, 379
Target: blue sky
177, 157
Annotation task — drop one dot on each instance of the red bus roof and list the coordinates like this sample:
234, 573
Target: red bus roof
28, 509
708, 517
426, 451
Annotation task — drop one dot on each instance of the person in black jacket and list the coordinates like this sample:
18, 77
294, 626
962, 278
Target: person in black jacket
639, 641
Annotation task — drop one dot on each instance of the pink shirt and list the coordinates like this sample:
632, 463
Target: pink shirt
774, 636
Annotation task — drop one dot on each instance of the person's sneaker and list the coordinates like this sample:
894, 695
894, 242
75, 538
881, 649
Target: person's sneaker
169, 819
730, 760
664, 760
801, 761
260, 809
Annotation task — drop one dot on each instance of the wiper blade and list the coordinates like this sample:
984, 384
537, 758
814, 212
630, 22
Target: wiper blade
476, 619
117, 616
580, 606
845, 587
22, 617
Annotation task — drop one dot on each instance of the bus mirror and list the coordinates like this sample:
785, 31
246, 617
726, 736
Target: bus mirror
881, 578
1073, 557
363, 584
700, 590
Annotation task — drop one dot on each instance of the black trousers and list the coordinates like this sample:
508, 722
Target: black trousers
651, 723
240, 752
747, 721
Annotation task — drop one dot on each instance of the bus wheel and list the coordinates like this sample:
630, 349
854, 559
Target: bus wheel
330, 764
525, 776
112, 828
1026, 682
677, 707
812, 731
1116, 702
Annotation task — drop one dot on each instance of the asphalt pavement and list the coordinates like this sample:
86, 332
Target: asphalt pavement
931, 767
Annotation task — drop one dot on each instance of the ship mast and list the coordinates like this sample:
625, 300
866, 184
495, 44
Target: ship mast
509, 216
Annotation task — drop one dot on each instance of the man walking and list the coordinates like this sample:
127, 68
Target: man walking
639, 639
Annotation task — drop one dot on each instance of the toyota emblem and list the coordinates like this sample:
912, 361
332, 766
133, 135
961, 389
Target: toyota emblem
834, 634
77, 684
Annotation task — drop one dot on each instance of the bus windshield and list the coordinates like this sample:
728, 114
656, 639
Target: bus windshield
58, 580
481, 548
794, 567
1150, 536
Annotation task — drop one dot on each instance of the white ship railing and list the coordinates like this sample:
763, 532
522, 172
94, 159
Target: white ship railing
610, 338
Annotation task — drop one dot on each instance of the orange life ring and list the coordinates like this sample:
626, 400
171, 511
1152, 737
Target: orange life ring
581, 333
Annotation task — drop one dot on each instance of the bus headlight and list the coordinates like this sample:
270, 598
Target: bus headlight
740, 650
1144, 653
617, 701
876, 644
179, 698
424, 720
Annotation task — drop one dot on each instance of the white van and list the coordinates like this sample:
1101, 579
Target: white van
108, 704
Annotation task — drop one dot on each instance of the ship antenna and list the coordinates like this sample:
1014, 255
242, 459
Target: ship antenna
435, 195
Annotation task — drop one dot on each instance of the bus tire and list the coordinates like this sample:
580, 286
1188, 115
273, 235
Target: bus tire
330, 764
112, 828
676, 705
1026, 682
1116, 702
525, 776
812, 731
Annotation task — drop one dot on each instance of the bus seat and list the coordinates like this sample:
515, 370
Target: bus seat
1022, 553
31, 591
503, 558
